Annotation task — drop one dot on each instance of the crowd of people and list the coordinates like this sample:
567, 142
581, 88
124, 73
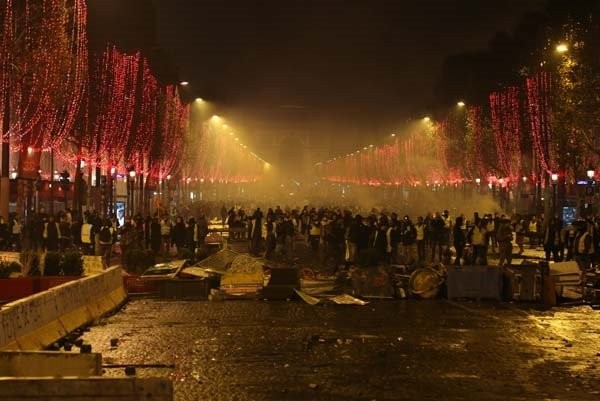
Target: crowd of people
343, 236
338, 236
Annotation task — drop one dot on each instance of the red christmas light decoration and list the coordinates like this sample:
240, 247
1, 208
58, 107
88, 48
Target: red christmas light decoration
539, 90
506, 124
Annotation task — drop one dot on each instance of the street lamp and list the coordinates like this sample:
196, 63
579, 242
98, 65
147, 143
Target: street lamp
562, 48
460, 104
590, 174
13, 174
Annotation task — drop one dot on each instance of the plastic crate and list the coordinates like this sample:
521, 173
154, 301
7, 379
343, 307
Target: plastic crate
477, 282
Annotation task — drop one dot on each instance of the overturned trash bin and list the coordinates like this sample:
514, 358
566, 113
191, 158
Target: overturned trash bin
425, 283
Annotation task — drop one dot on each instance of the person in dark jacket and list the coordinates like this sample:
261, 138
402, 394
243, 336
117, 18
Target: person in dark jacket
51, 234
381, 241
352, 237
191, 234
202, 229
66, 235
178, 233
155, 235
552, 239
437, 237
460, 240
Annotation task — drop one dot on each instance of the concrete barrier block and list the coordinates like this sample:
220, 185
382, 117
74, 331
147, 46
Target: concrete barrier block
86, 389
36, 322
75, 318
53, 364
42, 337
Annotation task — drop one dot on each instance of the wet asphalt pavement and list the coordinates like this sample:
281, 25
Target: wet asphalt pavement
394, 350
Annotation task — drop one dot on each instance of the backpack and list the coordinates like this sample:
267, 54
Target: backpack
105, 236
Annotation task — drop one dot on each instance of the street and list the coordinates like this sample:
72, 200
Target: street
392, 350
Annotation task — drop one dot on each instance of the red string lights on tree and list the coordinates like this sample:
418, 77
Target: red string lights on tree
144, 124
418, 158
539, 90
112, 102
168, 148
506, 124
6, 40
47, 48
475, 124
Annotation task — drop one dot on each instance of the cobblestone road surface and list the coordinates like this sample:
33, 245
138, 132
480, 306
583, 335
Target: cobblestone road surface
400, 350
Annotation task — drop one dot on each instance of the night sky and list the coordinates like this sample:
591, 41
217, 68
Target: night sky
340, 66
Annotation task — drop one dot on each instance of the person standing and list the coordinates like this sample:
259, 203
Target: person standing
256, 231
178, 234
420, 229
51, 234
504, 237
191, 234
532, 230
520, 234
314, 234
552, 239
583, 246
409, 241
165, 233
478, 239
155, 235
14, 229
66, 235
459, 240
87, 238
352, 236
105, 241
202, 229
437, 236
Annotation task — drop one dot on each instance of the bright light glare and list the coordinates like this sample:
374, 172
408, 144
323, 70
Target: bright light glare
426, 119
562, 48
199, 99
460, 104
184, 83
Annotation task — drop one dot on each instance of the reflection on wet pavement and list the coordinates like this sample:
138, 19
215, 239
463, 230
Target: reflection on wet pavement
408, 350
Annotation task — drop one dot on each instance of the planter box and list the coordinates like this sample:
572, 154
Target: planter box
46, 282
12, 289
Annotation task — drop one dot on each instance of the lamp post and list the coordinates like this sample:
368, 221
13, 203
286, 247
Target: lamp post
37, 184
590, 188
130, 189
554, 178
523, 204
